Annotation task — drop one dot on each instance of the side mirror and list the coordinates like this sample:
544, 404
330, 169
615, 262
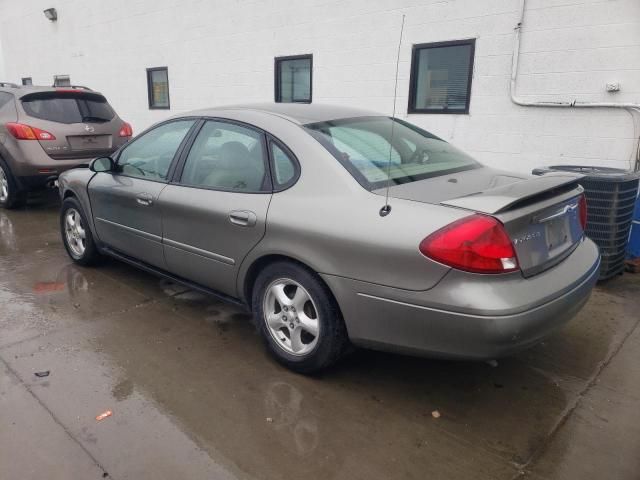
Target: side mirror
102, 164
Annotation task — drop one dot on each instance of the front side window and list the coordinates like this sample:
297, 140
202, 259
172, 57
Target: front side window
293, 79
226, 156
441, 77
150, 155
68, 107
158, 87
363, 146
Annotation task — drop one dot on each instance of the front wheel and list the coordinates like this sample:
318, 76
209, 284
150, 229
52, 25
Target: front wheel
76, 234
298, 318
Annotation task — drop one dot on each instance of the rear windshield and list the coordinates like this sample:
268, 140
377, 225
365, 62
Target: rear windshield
68, 107
363, 146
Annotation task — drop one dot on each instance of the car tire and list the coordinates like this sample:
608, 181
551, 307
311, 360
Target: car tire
298, 318
76, 234
10, 194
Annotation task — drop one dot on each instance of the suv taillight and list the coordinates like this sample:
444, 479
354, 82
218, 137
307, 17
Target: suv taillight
25, 132
126, 130
582, 211
477, 244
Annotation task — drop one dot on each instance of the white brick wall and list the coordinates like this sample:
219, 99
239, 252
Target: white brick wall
221, 52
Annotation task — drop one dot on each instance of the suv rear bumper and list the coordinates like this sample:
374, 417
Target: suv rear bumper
30, 177
469, 316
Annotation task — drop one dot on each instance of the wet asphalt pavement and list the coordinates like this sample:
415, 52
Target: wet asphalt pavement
194, 394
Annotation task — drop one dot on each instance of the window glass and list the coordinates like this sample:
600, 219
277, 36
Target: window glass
149, 156
363, 146
61, 81
283, 165
442, 78
68, 108
158, 85
5, 98
294, 80
228, 157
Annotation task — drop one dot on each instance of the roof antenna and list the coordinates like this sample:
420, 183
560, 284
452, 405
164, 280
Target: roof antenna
386, 209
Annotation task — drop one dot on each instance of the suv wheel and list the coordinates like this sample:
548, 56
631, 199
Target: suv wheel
76, 234
298, 318
10, 196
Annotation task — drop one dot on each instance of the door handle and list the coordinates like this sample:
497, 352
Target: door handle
243, 218
144, 199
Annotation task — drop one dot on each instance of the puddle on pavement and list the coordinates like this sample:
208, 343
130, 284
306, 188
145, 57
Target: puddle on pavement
120, 338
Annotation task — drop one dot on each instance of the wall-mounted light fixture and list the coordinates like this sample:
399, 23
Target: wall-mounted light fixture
51, 14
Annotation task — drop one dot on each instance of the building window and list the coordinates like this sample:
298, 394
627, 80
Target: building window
27, 81
158, 87
293, 77
441, 77
61, 81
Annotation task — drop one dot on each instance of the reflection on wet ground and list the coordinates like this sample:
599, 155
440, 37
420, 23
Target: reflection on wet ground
194, 394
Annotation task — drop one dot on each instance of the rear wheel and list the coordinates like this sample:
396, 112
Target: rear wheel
10, 195
298, 318
76, 234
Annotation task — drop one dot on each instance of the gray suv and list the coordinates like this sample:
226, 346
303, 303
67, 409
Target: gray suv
45, 131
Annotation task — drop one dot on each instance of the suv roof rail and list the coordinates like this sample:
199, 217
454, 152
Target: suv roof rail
8, 84
75, 87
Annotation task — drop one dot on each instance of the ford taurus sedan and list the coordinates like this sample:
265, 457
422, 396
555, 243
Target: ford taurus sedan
338, 226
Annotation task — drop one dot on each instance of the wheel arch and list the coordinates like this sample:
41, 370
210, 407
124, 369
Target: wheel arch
247, 282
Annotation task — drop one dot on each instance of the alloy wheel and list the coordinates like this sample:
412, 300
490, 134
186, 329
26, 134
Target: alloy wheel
291, 316
74, 232
4, 186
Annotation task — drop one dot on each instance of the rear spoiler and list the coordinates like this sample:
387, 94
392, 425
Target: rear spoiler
64, 93
505, 197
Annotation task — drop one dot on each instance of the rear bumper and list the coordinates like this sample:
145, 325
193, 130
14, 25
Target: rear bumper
32, 167
36, 176
469, 316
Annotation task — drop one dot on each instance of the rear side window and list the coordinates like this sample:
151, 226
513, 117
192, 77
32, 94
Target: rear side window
226, 156
68, 108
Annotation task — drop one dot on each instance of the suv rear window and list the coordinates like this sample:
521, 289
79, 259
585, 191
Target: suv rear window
68, 107
363, 146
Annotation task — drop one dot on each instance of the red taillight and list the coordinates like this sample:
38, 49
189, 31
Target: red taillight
25, 132
126, 130
477, 244
582, 211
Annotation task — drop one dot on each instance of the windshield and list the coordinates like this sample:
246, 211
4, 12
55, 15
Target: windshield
68, 108
363, 146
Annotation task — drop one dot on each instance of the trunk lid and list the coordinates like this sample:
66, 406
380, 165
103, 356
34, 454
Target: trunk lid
540, 213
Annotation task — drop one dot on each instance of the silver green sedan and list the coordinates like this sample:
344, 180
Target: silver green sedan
338, 226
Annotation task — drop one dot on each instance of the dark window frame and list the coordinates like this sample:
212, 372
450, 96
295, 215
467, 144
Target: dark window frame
277, 61
24, 79
413, 79
150, 89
